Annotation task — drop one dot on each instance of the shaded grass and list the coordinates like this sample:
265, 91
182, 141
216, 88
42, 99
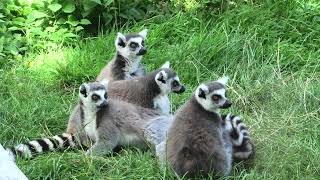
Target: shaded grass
267, 49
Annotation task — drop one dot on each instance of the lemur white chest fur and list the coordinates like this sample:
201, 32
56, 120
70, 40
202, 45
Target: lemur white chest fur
89, 123
162, 102
132, 65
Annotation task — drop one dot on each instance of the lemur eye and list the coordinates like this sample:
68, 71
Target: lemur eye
142, 43
133, 45
216, 97
106, 96
95, 97
175, 83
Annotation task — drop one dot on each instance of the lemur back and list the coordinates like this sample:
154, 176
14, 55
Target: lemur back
150, 91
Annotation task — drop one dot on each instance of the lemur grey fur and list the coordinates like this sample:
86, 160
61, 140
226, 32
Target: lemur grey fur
197, 141
125, 65
150, 91
105, 122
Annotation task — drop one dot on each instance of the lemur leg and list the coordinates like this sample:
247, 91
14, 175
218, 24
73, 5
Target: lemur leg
243, 148
107, 140
161, 153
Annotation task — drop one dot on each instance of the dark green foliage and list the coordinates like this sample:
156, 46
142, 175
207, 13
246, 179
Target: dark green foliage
38, 24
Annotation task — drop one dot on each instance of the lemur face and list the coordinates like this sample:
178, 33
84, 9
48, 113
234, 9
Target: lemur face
168, 80
93, 95
131, 46
212, 96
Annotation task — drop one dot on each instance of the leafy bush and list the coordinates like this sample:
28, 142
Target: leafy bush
38, 24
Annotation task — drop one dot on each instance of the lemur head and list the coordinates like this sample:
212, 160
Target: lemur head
212, 96
168, 81
131, 46
94, 94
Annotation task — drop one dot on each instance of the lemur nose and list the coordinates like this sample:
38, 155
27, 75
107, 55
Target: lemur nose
182, 89
142, 51
103, 104
227, 104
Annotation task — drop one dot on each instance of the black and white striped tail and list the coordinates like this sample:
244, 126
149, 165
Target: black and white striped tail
243, 148
32, 148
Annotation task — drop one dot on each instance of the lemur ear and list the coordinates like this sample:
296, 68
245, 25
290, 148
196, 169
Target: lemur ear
202, 91
83, 90
120, 40
223, 80
161, 77
105, 83
143, 33
166, 65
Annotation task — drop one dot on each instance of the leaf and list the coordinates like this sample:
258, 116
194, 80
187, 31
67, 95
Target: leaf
123, 16
55, 7
36, 31
69, 7
108, 2
13, 28
72, 20
38, 23
96, 1
51, 29
136, 14
18, 21
35, 15
12, 48
70, 35
88, 6
79, 28
61, 20
85, 22
107, 18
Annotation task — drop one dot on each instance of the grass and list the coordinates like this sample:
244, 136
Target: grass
269, 50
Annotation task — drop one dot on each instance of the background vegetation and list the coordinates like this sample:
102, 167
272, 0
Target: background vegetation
269, 48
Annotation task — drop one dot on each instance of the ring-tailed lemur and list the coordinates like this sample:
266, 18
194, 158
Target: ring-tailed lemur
243, 148
107, 123
197, 142
126, 63
150, 91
